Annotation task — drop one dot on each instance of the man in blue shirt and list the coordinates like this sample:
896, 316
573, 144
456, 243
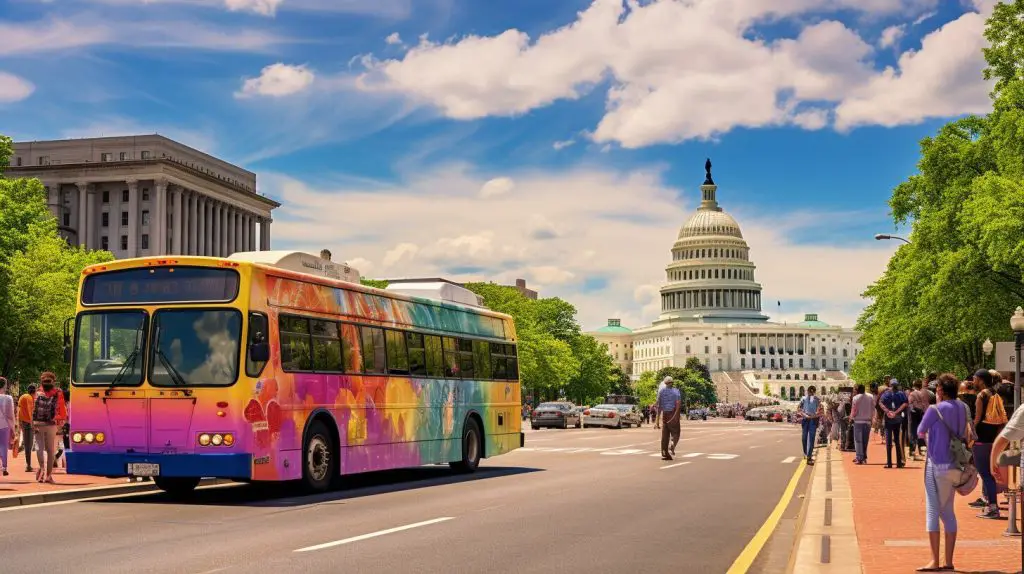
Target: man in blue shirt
670, 400
810, 412
894, 404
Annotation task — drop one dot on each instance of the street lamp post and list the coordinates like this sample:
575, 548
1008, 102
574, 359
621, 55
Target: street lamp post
1013, 492
986, 348
883, 236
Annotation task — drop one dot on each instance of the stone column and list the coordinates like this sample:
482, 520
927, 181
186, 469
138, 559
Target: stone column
265, 234
178, 228
215, 243
133, 217
252, 233
200, 225
158, 220
82, 231
193, 223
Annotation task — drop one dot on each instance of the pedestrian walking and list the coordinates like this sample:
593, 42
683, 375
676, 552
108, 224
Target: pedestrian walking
658, 415
894, 404
989, 420
945, 422
48, 416
7, 426
810, 412
670, 401
862, 413
26, 404
920, 400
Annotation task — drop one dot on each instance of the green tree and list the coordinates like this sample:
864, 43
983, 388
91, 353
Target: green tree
621, 384
376, 283
596, 373
647, 388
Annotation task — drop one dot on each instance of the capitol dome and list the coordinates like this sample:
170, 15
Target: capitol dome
711, 277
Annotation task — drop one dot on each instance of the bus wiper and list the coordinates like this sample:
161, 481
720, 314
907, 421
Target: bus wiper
129, 363
174, 373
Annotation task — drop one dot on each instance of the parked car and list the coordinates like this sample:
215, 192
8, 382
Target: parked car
605, 416
630, 415
555, 415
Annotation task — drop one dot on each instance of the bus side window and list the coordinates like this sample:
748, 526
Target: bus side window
513, 362
417, 354
295, 344
482, 359
451, 358
435, 357
352, 359
258, 335
398, 356
498, 361
326, 347
466, 358
372, 339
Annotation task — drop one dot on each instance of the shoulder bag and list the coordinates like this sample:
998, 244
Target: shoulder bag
961, 457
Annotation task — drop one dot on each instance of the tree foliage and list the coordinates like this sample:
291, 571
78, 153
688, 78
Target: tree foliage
39, 276
960, 279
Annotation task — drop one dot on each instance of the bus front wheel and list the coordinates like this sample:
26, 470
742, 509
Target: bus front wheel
472, 440
318, 466
176, 486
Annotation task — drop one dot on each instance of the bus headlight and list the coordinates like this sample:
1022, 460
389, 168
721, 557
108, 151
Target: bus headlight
217, 440
204, 439
229, 439
89, 437
100, 438
76, 438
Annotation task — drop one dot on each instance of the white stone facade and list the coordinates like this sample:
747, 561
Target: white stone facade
711, 310
138, 196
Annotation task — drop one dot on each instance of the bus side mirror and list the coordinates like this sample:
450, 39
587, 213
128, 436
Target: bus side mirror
259, 352
67, 354
67, 339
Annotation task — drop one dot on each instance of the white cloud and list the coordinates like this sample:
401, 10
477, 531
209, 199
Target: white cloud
264, 7
616, 226
13, 88
277, 80
891, 35
110, 126
813, 119
393, 39
677, 69
941, 79
559, 145
395, 9
496, 187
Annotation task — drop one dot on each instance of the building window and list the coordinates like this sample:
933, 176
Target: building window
124, 196
67, 220
719, 350
743, 363
106, 197
104, 243
146, 155
145, 241
124, 243
145, 194
17, 161
105, 219
124, 219
687, 349
106, 157
124, 156
44, 160
706, 349
145, 217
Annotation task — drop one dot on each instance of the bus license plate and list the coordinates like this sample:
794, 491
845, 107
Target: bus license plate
143, 469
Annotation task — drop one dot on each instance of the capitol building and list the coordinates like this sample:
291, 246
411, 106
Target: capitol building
711, 310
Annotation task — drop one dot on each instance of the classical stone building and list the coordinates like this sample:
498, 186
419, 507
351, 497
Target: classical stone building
711, 310
147, 195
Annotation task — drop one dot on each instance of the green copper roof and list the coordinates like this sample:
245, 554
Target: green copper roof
614, 326
811, 322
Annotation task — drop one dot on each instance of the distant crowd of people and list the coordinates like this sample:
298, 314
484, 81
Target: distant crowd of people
960, 427
39, 419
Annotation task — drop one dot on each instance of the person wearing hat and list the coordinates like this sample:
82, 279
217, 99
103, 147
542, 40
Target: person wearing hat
670, 401
894, 404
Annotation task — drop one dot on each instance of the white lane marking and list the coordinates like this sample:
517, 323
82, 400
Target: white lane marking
674, 465
789, 460
693, 454
374, 534
756, 446
722, 456
107, 497
622, 452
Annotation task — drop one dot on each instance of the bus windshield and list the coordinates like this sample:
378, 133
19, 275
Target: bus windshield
195, 347
108, 348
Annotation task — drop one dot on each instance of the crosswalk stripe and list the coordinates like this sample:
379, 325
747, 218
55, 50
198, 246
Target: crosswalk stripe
693, 454
674, 465
789, 460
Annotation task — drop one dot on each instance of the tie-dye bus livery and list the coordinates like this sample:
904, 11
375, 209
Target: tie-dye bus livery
274, 366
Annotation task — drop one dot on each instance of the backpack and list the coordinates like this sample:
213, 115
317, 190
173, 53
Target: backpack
45, 410
995, 412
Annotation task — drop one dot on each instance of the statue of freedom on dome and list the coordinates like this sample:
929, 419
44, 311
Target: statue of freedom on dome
707, 169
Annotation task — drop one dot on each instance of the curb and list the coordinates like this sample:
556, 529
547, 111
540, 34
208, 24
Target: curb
90, 492
801, 520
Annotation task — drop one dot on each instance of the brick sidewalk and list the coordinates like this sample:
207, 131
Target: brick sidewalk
889, 513
20, 482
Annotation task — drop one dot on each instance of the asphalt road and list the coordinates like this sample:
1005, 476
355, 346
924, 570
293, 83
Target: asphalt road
594, 501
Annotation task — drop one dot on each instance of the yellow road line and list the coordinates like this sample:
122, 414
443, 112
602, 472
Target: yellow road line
749, 554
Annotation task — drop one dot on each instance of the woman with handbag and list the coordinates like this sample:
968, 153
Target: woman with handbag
947, 467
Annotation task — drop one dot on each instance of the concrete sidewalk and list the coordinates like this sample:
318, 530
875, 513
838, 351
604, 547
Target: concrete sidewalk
877, 516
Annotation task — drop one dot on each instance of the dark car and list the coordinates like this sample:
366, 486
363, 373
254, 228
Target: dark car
555, 415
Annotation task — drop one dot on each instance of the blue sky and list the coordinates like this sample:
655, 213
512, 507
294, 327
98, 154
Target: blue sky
562, 142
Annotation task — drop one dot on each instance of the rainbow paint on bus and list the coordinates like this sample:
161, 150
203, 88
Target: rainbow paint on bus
246, 368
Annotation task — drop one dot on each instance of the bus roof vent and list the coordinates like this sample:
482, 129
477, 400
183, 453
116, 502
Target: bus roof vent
439, 290
301, 263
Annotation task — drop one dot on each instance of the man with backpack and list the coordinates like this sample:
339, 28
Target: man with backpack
48, 416
989, 420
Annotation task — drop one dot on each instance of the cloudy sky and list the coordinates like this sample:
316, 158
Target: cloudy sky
561, 142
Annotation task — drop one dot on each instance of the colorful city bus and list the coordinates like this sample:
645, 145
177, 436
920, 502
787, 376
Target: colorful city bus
280, 366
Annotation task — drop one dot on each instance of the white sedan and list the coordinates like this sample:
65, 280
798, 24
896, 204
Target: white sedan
606, 416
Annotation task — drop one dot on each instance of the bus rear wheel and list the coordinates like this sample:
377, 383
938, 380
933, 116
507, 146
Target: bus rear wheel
176, 486
319, 469
472, 441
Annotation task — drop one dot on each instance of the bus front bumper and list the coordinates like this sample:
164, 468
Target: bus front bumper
221, 465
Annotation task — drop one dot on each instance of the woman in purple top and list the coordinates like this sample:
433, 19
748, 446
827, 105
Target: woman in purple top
941, 473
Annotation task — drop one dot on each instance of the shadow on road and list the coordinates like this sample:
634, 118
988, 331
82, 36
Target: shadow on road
287, 494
